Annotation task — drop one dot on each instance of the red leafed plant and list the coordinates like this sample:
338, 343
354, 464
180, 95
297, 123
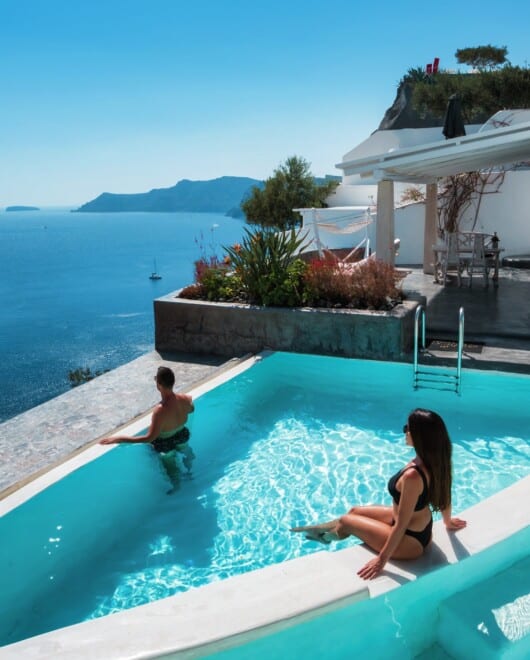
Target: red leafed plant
369, 284
325, 284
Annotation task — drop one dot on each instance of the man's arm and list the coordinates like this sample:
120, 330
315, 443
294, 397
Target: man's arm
152, 432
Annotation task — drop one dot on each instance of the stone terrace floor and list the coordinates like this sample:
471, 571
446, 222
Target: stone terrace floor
30, 443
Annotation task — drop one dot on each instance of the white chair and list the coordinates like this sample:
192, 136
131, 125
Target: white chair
445, 257
472, 256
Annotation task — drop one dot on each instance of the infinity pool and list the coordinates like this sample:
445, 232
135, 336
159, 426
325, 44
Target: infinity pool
294, 439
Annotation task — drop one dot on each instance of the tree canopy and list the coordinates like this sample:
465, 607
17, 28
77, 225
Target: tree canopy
482, 57
291, 186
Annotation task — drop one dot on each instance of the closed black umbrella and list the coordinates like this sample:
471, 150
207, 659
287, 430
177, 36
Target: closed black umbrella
453, 124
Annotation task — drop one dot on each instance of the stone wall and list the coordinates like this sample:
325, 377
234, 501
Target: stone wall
229, 329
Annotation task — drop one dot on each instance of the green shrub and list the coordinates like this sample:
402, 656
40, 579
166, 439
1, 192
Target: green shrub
268, 267
214, 281
83, 375
218, 284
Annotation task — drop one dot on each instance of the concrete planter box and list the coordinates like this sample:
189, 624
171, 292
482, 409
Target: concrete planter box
230, 329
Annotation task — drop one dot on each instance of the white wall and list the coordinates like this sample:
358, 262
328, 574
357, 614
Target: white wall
506, 212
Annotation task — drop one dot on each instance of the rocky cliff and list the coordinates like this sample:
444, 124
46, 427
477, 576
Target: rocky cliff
401, 114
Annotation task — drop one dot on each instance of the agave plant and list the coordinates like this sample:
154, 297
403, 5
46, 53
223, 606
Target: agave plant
268, 266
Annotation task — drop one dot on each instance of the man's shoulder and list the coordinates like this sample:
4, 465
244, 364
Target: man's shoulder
185, 401
158, 410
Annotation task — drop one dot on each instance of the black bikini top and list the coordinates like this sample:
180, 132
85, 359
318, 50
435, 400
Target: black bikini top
423, 499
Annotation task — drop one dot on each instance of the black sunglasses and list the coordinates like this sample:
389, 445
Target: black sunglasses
406, 428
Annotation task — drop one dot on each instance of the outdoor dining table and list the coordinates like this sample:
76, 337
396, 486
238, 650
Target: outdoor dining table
471, 252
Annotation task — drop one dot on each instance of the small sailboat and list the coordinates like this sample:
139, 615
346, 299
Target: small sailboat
154, 275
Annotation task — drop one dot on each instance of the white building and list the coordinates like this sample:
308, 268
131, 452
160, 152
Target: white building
388, 154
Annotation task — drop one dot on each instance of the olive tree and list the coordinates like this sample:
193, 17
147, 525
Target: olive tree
291, 186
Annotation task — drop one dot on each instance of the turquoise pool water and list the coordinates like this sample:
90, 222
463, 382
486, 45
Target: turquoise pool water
293, 439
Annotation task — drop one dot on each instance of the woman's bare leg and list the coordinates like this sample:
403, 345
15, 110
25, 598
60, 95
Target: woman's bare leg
370, 524
377, 512
382, 513
328, 531
321, 527
375, 534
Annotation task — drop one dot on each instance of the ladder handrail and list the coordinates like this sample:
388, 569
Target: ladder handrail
420, 375
420, 311
460, 348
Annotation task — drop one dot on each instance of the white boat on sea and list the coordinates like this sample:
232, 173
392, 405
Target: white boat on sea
155, 275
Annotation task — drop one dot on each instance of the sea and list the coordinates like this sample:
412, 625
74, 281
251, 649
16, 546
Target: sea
75, 290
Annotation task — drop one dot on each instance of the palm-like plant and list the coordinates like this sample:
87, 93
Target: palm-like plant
268, 266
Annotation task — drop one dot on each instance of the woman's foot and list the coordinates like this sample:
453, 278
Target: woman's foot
320, 537
322, 533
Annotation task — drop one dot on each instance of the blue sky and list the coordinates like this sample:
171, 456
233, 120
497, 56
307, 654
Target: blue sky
125, 96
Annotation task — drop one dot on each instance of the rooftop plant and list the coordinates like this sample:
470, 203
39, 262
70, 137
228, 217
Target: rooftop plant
482, 57
495, 85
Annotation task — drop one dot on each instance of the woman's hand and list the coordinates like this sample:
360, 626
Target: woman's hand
454, 524
372, 569
109, 441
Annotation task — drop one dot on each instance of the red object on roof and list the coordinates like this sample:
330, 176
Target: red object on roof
435, 65
429, 69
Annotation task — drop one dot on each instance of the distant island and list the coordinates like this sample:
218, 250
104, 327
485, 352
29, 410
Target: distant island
222, 195
22, 208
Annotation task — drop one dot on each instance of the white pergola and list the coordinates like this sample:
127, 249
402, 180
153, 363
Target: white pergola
426, 164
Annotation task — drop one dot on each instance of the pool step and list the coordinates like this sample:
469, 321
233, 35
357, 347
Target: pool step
490, 620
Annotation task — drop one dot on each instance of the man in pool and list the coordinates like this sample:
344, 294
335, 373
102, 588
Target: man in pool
167, 432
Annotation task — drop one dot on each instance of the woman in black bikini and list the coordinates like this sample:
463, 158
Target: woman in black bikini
403, 530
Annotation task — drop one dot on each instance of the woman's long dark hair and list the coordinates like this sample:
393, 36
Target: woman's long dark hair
433, 446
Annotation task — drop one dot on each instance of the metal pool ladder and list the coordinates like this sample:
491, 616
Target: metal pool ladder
429, 377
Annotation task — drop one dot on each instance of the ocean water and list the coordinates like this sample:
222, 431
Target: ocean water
75, 290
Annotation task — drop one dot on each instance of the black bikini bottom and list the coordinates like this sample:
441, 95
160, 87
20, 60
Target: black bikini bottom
423, 537
163, 445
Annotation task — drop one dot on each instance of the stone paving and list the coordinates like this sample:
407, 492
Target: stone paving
498, 319
44, 436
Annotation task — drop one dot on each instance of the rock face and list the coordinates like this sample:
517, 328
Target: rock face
213, 196
22, 208
401, 114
